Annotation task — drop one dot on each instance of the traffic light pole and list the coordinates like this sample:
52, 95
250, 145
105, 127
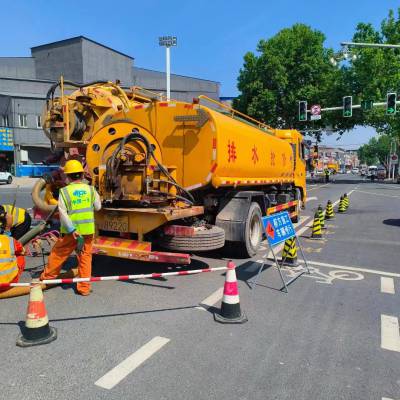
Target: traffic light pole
354, 106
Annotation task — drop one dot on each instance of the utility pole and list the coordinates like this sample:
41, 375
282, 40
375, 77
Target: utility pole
168, 42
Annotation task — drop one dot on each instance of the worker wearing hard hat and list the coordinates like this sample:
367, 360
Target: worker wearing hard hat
14, 220
76, 204
12, 261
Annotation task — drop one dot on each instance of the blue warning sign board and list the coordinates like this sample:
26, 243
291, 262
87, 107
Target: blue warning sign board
278, 227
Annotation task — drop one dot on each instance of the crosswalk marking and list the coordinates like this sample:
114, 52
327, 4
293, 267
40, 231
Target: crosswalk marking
390, 334
387, 285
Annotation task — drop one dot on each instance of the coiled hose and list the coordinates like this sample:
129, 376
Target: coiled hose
113, 164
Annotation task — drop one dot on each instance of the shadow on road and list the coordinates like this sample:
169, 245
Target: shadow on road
392, 222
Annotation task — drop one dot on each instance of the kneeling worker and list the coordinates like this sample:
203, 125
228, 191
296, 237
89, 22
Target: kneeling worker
12, 261
76, 204
15, 220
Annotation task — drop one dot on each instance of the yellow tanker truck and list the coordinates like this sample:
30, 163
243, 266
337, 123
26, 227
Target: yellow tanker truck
181, 176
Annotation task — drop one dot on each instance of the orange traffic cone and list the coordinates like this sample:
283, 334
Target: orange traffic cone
230, 307
37, 330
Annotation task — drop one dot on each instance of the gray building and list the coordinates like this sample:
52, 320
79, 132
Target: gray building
24, 82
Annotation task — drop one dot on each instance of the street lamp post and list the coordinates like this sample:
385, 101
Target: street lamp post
168, 42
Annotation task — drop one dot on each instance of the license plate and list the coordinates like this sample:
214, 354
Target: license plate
115, 223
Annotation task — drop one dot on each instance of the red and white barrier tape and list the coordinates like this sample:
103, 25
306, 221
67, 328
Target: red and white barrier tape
114, 278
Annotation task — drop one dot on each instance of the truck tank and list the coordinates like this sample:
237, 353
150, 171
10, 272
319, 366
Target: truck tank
205, 147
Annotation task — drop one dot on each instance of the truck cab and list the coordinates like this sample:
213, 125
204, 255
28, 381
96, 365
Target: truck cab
295, 138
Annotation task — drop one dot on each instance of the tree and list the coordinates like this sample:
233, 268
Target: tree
291, 66
375, 72
376, 151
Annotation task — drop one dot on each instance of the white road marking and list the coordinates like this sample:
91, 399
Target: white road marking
213, 298
378, 194
311, 198
113, 377
386, 398
355, 269
387, 285
390, 334
321, 186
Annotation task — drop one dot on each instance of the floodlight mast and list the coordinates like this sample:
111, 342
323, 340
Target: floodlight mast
168, 42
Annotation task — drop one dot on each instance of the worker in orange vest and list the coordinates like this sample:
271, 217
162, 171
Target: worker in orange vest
76, 204
12, 261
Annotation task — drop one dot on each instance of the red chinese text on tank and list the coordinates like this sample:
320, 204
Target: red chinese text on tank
231, 151
272, 158
254, 157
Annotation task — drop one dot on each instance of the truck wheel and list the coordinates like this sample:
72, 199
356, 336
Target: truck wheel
203, 240
9, 180
253, 232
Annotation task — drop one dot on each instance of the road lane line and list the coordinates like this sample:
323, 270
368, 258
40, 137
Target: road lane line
386, 398
213, 298
355, 269
378, 194
311, 198
387, 285
390, 334
113, 377
318, 187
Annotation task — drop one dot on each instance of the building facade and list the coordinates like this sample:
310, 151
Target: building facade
24, 82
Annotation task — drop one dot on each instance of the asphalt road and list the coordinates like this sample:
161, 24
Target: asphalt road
334, 335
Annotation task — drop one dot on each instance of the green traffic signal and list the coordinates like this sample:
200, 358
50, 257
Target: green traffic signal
302, 111
347, 106
391, 103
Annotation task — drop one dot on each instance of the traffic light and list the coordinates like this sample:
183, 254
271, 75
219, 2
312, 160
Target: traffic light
391, 103
367, 105
347, 106
302, 111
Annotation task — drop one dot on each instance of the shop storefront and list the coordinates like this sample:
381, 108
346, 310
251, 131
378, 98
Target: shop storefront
6, 150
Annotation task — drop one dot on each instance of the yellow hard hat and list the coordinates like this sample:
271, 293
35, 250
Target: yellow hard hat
73, 167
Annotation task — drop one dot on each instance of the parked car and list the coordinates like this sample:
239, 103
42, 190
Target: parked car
355, 171
5, 177
381, 173
372, 172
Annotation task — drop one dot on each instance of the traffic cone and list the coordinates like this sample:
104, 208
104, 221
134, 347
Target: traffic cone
37, 330
346, 200
342, 207
329, 214
321, 216
316, 228
289, 253
230, 312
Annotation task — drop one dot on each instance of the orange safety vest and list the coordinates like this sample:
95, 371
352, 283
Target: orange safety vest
8, 260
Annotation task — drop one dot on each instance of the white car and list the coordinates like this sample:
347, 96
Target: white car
6, 177
355, 171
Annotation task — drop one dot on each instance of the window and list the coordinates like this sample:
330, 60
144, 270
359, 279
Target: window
4, 120
23, 123
38, 121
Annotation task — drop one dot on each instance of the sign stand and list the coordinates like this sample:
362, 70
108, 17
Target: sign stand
280, 223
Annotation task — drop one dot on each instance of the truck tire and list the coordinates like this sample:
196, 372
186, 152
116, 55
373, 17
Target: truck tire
9, 180
203, 240
253, 232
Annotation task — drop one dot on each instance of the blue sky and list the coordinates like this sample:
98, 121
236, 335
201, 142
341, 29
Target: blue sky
212, 36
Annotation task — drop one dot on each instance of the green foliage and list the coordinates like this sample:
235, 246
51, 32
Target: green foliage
294, 65
376, 72
375, 151
291, 66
